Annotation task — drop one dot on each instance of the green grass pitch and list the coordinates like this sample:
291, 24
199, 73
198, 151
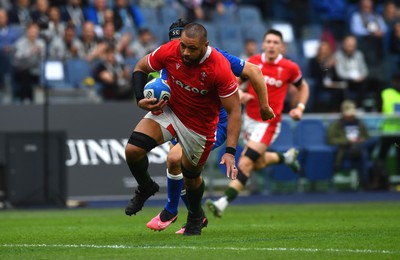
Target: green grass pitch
285, 231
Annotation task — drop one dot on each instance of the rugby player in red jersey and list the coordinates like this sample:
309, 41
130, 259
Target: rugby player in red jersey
279, 73
201, 81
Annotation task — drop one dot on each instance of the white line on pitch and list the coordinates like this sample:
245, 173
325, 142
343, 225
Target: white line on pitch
363, 251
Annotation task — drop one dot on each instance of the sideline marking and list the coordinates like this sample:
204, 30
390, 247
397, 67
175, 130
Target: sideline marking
313, 250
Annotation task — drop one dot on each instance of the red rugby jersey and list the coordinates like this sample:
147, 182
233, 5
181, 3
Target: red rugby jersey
196, 89
277, 75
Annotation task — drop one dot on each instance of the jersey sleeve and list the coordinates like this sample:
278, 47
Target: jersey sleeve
237, 64
157, 58
296, 75
225, 80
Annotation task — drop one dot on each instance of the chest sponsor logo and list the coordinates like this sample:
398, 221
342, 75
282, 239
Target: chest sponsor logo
188, 87
271, 81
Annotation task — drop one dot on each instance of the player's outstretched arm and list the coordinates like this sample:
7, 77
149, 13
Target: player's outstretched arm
233, 108
253, 73
302, 98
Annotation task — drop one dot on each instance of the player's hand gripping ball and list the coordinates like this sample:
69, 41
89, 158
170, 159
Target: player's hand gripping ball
157, 88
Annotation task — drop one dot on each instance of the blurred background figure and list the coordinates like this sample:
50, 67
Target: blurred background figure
95, 12
40, 14
8, 36
370, 29
352, 68
354, 145
250, 49
128, 14
93, 49
19, 14
113, 77
66, 47
390, 13
72, 12
144, 44
30, 50
329, 91
119, 40
55, 27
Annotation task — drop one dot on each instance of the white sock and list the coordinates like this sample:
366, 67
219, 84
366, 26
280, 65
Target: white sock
222, 203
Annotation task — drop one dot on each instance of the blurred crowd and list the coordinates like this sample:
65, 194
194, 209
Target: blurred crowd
347, 49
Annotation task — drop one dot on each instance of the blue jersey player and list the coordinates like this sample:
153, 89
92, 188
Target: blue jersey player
174, 176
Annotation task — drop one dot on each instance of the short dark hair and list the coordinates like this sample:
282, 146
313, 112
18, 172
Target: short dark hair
175, 30
274, 32
195, 30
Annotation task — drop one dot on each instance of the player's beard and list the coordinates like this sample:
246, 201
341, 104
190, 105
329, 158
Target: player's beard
188, 61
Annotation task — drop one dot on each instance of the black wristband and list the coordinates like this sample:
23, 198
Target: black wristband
139, 81
230, 150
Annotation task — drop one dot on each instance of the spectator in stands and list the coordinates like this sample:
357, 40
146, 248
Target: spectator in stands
128, 14
390, 13
113, 38
95, 12
143, 45
113, 77
351, 137
56, 26
390, 135
250, 49
8, 36
352, 68
66, 47
322, 71
92, 48
40, 14
370, 29
29, 52
367, 22
20, 13
73, 12
108, 18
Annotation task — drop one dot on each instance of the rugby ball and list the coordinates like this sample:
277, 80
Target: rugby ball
157, 88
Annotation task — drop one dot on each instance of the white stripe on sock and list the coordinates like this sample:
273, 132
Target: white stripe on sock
174, 177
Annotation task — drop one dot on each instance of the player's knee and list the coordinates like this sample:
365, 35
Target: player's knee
174, 161
259, 164
245, 164
133, 153
138, 145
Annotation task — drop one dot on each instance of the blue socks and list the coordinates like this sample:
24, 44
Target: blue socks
174, 188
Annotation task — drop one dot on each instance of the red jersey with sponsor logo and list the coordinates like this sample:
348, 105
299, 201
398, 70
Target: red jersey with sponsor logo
195, 90
277, 75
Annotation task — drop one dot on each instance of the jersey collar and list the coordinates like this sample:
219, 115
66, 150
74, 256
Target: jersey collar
208, 52
264, 59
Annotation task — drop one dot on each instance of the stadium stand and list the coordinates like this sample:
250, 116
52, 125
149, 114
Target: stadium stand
316, 156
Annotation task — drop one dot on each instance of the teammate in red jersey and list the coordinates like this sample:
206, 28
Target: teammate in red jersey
278, 73
201, 81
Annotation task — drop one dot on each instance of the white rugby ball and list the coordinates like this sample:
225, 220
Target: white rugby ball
157, 88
